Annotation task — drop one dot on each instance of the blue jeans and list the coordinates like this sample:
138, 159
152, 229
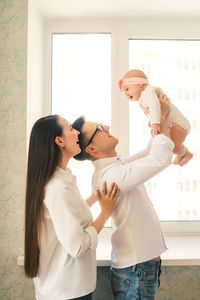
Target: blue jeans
86, 297
138, 282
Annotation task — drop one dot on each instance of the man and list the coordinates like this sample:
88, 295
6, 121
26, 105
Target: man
137, 240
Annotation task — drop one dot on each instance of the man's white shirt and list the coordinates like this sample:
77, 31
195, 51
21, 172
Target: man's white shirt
137, 235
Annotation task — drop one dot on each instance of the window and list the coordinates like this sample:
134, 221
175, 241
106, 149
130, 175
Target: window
81, 85
174, 192
77, 55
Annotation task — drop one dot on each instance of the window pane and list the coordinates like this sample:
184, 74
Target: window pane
175, 67
81, 85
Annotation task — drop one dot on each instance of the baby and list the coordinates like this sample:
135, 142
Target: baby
136, 87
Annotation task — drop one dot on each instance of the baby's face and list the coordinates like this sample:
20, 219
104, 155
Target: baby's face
132, 92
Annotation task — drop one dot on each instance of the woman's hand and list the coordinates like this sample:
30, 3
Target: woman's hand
91, 200
107, 199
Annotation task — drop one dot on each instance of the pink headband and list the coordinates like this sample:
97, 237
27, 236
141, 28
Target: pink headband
132, 81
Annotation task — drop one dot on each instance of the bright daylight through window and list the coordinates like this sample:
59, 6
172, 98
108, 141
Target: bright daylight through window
175, 67
81, 85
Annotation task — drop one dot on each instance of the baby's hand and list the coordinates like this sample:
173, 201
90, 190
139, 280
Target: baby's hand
155, 129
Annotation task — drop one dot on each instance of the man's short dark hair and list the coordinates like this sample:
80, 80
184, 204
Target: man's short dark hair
78, 123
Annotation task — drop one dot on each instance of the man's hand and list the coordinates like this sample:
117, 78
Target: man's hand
155, 129
161, 95
164, 102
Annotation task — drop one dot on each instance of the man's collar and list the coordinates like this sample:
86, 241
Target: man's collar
103, 162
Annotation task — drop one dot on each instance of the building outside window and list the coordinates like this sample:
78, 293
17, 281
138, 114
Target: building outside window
171, 65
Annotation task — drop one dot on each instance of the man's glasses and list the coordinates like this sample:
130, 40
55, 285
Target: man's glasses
99, 128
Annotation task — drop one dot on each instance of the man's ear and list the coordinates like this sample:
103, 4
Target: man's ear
90, 149
59, 142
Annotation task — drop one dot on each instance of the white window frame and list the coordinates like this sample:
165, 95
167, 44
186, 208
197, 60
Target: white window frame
121, 30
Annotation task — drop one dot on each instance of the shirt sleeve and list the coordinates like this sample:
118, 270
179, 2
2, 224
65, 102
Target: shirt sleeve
65, 215
141, 153
129, 175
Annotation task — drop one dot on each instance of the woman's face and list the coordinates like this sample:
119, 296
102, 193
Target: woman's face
69, 139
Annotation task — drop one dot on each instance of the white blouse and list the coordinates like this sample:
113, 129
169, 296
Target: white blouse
67, 267
137, 235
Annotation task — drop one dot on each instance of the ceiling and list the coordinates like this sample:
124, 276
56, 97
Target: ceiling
118, 8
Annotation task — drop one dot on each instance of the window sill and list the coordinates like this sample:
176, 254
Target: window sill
182, 250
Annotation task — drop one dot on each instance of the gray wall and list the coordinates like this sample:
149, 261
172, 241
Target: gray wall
13, 56
178, 283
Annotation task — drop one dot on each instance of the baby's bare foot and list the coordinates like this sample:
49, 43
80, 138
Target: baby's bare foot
177, 159
188, 155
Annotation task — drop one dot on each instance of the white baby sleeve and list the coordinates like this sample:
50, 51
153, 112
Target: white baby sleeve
150, 100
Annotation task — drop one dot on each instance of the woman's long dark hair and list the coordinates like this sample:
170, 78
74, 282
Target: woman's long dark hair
43, 158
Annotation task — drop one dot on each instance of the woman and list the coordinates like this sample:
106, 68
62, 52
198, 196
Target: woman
60, 235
